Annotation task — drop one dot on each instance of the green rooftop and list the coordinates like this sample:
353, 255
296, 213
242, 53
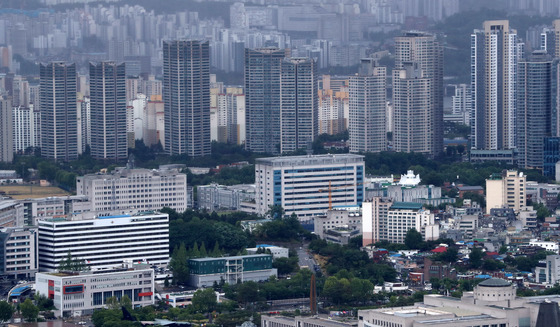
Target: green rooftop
407, 206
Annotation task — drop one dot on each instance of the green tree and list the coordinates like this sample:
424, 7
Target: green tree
276, 212
216, 251
413, 239
205, 300
248, 292
71, 264
29, 311
475, 257
179, 265
6, 312
285, 265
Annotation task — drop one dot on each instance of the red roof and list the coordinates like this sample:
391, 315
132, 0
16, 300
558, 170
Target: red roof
441, 249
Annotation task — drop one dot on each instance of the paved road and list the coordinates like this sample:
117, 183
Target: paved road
305, 258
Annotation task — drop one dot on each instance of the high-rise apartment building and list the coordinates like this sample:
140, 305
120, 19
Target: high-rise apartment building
108, 110
263, 74
26, 128
6, 130
412, 110
424, 49
494, 55
300, 104
461, 103
59, 123
368, 102
556, 25
535, 107
186, 94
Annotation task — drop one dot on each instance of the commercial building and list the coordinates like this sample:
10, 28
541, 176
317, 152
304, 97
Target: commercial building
6, 130
492, 303
309, 185
204, 272
11, 213
349, 218
385, 220
298, 321
59, 122
103, 242
108, 110
495, 51
551, 156
80, 293
412, 110
263, 74
186, 94
506, 190
368, 102
53, 207
300, 104
275, 251
536, 107
219, 197
135, 189
18, 252
424, 50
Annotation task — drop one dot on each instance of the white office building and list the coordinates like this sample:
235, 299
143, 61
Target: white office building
136, 189
76, 294
104, 242
309, 185
18, 252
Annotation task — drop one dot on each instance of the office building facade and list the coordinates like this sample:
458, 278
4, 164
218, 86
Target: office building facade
76, 294
506, 190
495, 51
6, 131
18, 252
535, 107
59, 122
263, 74
300, 104
309, 185
135, 189
425, 50
368, 102
204, 272
107, 110
104, 242
186, 94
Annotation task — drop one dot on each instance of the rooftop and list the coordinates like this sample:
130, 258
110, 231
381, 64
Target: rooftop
311, 160
407, 206
237, 257
494, 282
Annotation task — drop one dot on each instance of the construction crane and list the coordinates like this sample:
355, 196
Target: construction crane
336, 188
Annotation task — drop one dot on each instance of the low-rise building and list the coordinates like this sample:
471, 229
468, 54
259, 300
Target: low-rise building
11, 213
80, 293
204, 272
349, 218
314, 321
493, 303
275, 251
54, 206
547, 245
18, 252
219, 197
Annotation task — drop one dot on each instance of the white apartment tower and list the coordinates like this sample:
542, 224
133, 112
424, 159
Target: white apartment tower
495, 51
368, 103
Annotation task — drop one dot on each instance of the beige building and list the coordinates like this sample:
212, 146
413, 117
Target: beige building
556, 24
506, 190
412, 110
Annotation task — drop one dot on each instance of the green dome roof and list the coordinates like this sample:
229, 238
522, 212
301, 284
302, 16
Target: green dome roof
495, 282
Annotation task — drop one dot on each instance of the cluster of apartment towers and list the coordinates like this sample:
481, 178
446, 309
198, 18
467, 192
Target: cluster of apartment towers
513, 102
